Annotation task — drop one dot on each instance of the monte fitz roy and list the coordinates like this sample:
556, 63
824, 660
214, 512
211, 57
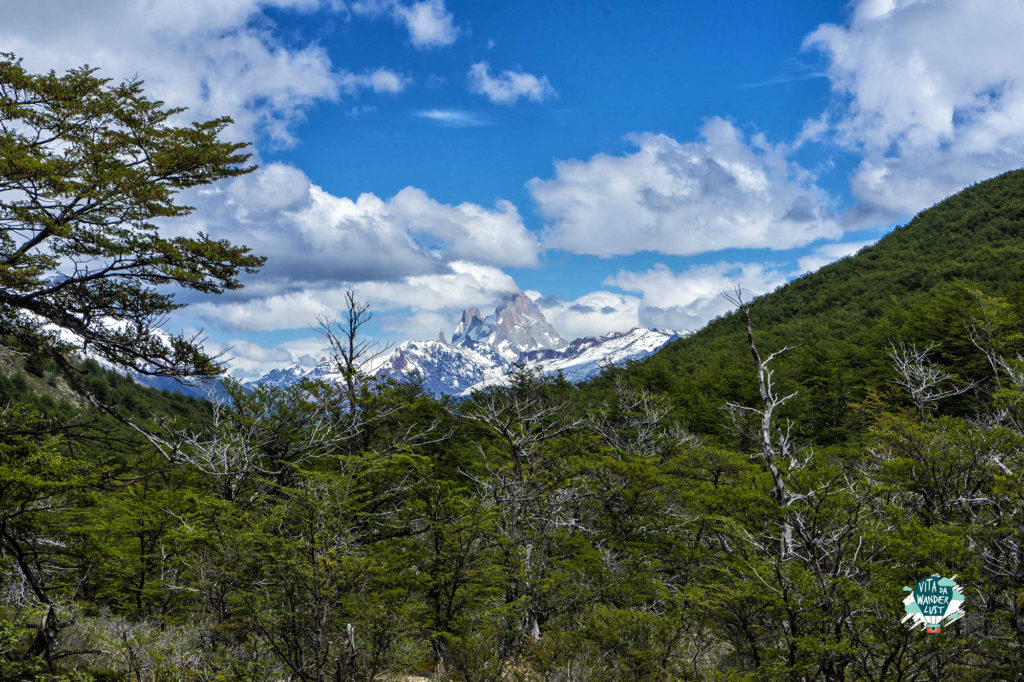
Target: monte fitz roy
484, 350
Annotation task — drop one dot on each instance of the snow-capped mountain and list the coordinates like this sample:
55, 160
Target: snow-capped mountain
445, 368
324, 370
283, 377
483, 350
516, 327
585, 357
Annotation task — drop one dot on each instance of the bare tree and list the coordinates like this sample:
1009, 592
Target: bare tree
262, 434
531, 497
924, 381
804, 561
775, 443
636, 423
521, 416
352, 354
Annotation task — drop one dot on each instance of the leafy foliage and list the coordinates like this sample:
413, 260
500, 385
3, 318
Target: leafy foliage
87, 171
694, 516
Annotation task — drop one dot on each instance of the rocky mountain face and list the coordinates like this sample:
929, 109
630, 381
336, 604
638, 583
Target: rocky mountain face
283, 377
515, 327
483, 350
446, 369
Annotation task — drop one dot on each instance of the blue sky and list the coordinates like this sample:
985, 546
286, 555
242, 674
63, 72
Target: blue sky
621, 162
617, 68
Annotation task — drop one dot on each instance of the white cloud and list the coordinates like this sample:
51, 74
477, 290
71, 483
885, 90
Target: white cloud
419, 325
454, 118
508, 86
929, 92
444, 294
306, 350
380, 81
428, 22
828, 253
684, 198
294, 310
690, 299
683, 301
249, 359
594, 314
465, 285
217, 58
313, 238
468, 231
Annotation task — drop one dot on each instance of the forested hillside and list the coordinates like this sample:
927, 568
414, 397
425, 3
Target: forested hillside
751, 503
668, 521
919, 284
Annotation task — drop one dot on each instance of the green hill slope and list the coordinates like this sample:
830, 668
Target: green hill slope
910, 286
546, 528
29, 381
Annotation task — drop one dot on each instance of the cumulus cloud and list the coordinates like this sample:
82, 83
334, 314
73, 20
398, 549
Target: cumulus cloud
468, 231
380, 81
420, 325
462, 285
720, 192
251, 359
927, 119
690, 299
312, 237
408, 253
660, 298
428, 22
508, 86
466, 284
217, 58
594, 314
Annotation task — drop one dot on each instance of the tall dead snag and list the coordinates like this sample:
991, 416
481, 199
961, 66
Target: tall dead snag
774, 442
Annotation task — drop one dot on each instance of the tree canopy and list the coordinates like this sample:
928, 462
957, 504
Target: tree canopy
752, 503
90, 173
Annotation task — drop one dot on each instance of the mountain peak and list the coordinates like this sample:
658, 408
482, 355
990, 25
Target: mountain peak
515, 327
483, 350
470, 330
521, 324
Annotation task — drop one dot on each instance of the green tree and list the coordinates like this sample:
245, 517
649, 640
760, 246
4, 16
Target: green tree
88, 172
46, 537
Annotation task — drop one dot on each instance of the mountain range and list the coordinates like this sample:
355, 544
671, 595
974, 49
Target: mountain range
483, 350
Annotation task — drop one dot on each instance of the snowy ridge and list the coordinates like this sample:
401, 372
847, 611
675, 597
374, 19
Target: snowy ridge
484, 350
445, 369
283, 377
584, 358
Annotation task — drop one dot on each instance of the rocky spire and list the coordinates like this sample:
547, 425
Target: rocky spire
516, 326
468, 332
